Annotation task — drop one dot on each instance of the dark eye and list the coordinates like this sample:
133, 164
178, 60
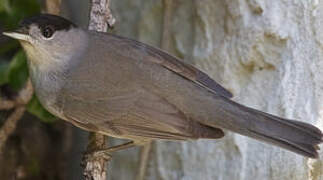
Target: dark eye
48, 31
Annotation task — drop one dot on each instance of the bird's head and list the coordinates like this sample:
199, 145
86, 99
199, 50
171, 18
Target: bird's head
48, 39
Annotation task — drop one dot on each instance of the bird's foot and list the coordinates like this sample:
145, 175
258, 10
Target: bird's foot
105, 153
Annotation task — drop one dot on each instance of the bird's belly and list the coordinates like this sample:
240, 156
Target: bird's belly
50, 104
48, 99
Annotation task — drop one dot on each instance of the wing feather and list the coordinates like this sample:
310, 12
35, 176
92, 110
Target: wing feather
177, 66
143, 115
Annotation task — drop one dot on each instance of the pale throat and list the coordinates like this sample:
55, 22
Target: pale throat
43, 60
47, 74
47, 70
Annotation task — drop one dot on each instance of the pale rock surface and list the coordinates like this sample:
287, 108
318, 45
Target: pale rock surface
268, 53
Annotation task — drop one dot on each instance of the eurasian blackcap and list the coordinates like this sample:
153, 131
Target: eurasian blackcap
126, 89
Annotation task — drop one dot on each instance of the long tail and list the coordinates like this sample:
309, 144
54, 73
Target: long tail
296, 136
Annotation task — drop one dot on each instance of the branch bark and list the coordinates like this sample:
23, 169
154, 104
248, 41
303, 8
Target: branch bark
100, 16
96, 168
7, 104
53, 6
19, 104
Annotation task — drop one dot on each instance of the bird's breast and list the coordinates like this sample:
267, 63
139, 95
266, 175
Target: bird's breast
47, 86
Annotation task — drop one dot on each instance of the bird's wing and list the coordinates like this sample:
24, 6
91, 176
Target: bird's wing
134, 114
177, 66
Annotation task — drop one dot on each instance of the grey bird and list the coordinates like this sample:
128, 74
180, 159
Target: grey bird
127, 89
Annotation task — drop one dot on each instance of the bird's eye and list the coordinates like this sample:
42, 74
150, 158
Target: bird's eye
48, 31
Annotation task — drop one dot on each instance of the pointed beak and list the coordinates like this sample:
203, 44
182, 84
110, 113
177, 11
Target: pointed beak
17, 35
22, 34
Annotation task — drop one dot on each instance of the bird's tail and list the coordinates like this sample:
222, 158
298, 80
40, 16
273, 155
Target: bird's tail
296, 136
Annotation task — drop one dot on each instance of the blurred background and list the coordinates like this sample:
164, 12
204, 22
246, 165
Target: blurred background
267, 53
42, 147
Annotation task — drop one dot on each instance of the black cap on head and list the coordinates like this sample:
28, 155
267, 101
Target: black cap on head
43, 20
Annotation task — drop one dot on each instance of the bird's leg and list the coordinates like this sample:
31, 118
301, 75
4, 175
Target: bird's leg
106, 153
117, 148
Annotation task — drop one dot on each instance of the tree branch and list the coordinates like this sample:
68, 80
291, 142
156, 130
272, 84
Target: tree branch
53, 6
166, 36
143, 161
100, 16
6, 104
95, 168
19, 104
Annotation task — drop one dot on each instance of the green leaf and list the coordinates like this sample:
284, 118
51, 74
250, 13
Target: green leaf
23, 8
34, 107
3, 5
14, 11
18, 71
8, 46
2, 8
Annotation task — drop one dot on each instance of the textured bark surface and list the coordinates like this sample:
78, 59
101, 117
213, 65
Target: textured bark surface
268, 53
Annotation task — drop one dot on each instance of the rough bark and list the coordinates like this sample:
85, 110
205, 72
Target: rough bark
268, 53
95, 167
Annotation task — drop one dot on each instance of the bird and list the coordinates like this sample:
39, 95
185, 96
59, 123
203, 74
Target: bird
127, 89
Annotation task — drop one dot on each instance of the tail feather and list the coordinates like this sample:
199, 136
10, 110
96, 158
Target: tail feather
308, 150
296, 136
301, 126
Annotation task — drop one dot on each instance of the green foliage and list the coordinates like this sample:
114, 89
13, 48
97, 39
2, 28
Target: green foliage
4, 69
14, 73
12, 11
18, 71
35, 108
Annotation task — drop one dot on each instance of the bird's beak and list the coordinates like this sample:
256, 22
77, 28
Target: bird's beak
22, 34
17, 35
